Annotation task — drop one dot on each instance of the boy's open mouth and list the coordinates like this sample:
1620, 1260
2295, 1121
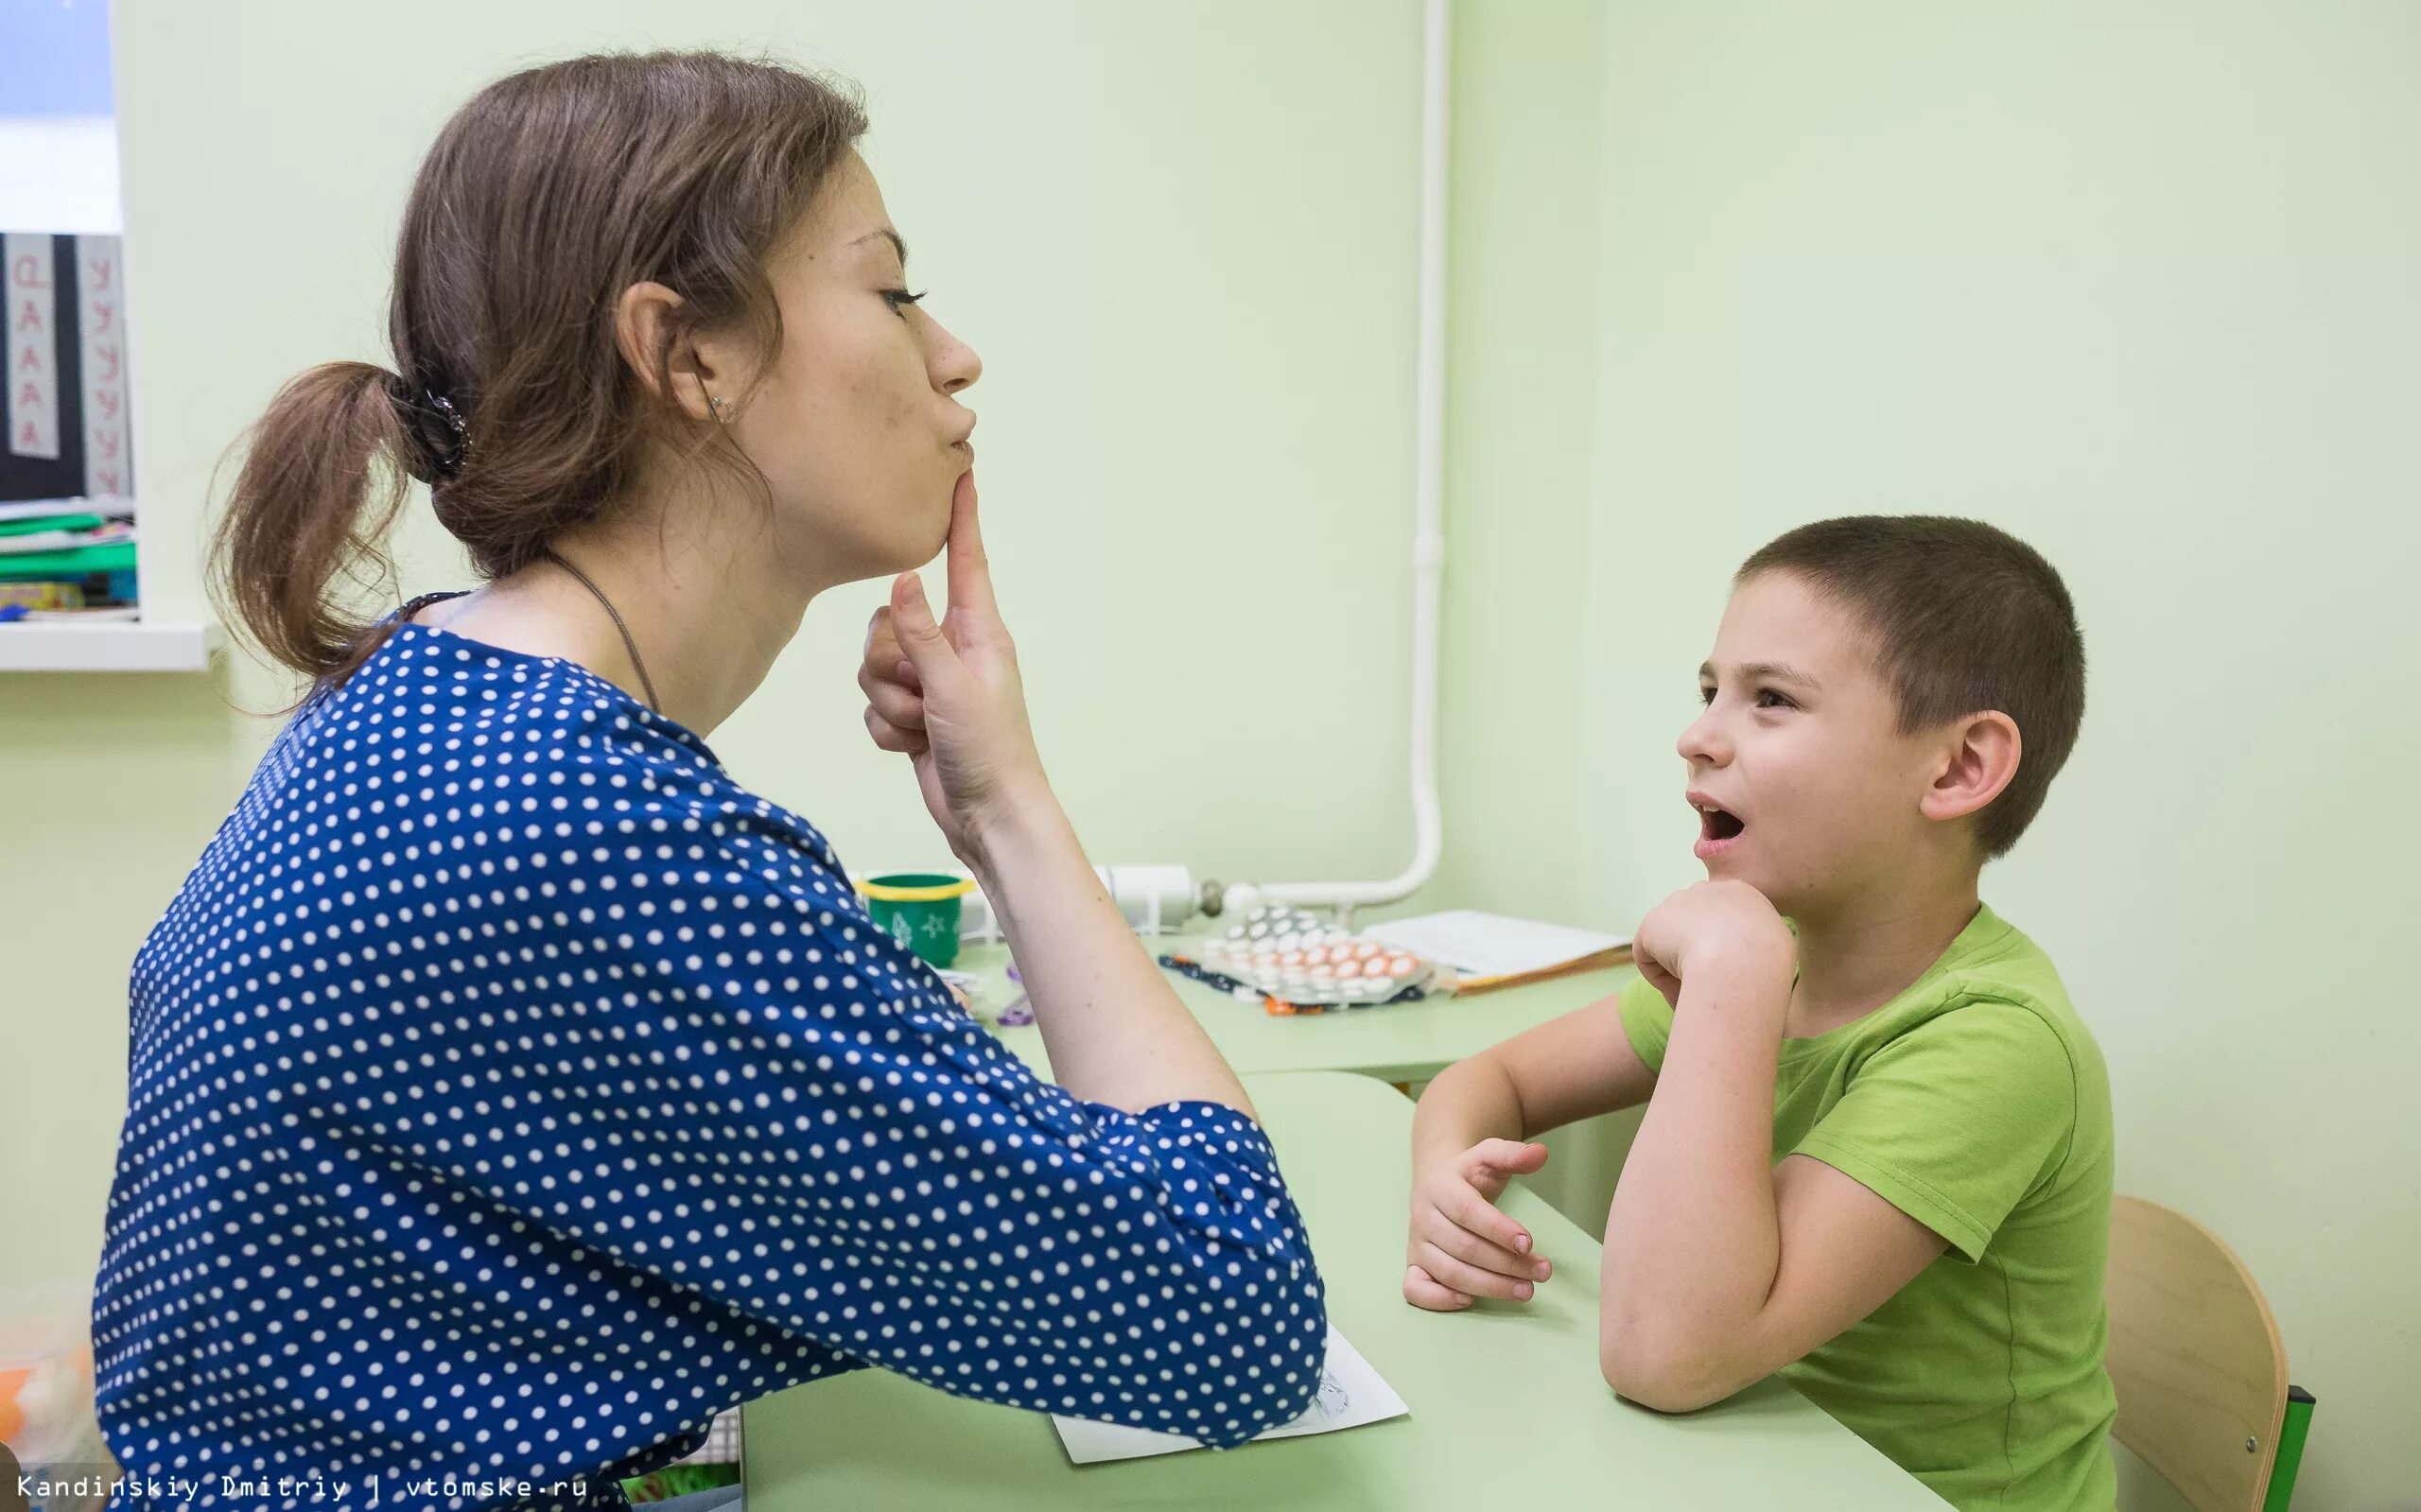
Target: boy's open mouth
1718, 824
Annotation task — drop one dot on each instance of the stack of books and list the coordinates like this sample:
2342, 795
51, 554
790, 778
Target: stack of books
66, 559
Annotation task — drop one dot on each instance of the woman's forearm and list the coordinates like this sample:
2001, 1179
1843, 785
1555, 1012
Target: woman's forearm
1113, 1027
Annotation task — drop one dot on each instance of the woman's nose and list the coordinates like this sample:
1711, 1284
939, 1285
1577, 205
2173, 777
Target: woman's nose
953, 364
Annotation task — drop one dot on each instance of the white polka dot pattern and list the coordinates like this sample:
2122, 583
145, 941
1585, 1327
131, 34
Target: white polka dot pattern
511, 1092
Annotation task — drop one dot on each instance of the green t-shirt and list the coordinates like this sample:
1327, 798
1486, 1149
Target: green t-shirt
1976, 1103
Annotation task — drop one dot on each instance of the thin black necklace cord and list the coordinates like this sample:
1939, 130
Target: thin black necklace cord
628, 644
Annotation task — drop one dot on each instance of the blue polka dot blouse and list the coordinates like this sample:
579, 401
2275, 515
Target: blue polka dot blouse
511, 1092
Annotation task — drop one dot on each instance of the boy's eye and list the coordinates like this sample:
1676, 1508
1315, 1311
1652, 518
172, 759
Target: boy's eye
901, 299
1768, 699
1706, 692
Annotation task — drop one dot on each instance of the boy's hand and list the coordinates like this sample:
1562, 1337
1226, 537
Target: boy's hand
1726, 921
1461, 1247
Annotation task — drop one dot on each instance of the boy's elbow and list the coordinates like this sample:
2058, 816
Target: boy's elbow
1668, 1378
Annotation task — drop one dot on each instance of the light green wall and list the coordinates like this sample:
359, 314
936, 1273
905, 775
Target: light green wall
2135, 281
1522, 298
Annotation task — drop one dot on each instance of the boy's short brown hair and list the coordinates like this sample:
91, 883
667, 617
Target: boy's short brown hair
1965, 617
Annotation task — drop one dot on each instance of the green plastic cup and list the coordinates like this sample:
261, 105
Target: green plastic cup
919, 909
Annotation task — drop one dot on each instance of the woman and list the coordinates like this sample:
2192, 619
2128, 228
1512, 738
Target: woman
511, 1089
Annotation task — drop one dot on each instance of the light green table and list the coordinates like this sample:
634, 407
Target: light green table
1403, 1042
1507, 1407
1395, 1042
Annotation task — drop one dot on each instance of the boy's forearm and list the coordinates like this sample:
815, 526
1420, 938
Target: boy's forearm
1693, 1241
1467, 1101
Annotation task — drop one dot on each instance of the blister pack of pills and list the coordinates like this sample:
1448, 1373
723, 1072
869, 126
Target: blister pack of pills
1294, 962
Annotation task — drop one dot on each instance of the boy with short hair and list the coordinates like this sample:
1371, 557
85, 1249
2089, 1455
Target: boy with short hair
1878, 1150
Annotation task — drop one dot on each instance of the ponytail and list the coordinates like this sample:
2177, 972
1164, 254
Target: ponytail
319, 489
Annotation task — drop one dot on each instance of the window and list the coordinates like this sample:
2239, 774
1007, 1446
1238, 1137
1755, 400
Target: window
66, 479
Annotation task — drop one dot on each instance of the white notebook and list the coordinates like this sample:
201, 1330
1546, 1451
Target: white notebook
1350, 1394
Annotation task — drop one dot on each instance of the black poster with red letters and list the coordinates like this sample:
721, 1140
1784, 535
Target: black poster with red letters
64, 399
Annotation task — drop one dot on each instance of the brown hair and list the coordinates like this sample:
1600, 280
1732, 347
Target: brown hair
544, 197
1965, 618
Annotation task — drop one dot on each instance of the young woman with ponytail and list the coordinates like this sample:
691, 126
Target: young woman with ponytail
511, 1089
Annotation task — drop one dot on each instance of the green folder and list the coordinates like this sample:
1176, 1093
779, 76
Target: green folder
51, 522
118, 556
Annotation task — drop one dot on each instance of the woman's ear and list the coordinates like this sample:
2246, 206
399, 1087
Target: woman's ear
1980, 759
649, 334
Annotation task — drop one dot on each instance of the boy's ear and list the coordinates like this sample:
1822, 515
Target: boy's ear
1980, 756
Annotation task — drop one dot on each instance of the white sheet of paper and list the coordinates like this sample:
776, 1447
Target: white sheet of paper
1350, 1394
34, 507
1491, 945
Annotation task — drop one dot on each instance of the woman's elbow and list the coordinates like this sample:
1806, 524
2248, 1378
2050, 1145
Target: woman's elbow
1288, 1389
1273, 1334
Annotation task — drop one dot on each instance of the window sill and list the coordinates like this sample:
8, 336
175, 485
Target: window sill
138, 647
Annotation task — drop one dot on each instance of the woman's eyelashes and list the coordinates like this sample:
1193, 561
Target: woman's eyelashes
899, 298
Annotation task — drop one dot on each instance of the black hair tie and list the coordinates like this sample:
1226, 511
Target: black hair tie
440, 437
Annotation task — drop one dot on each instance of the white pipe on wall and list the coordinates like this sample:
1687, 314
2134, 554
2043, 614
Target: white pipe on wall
1429, 490
1164, 896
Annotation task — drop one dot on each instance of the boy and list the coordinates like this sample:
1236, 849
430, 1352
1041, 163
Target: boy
1877, 1156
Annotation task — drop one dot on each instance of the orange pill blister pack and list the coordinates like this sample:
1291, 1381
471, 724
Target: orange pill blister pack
1294, 961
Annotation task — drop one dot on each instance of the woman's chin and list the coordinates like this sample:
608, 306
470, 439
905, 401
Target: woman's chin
930, 544
937, 525
901, 535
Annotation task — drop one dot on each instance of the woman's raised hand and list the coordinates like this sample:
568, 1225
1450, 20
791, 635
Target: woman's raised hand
946, 695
